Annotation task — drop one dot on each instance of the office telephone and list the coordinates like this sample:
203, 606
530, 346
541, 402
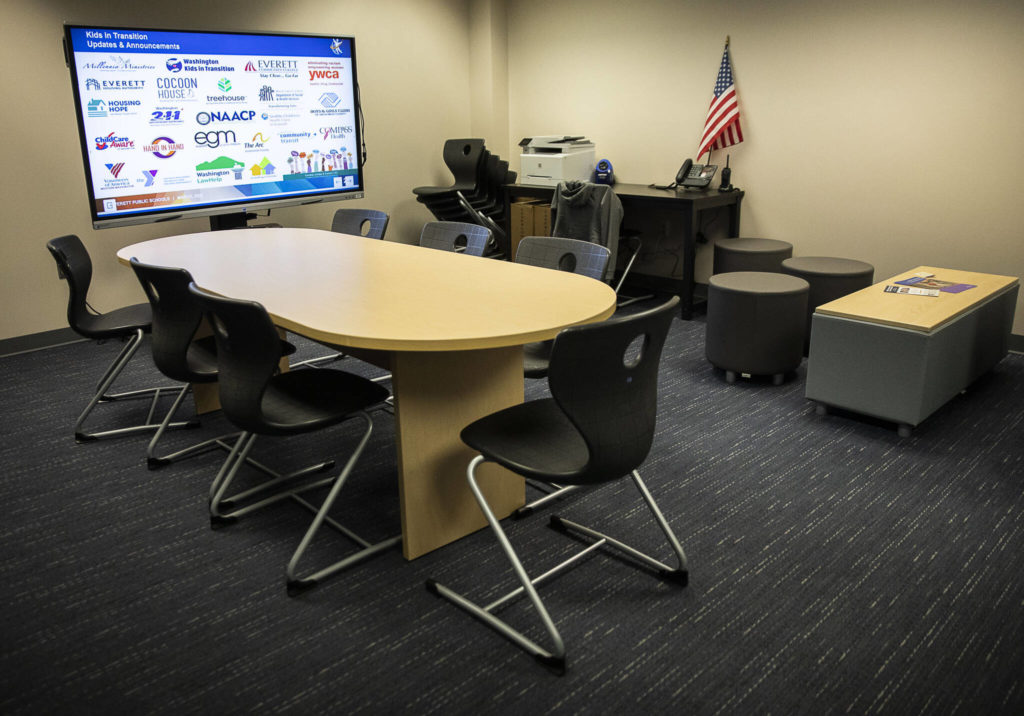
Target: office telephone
696, 176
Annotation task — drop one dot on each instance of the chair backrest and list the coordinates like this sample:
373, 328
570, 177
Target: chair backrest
362, 222
555, 252
176, 317
604, 376
74, 266
453, 235
589, 212
248, 352
463, 158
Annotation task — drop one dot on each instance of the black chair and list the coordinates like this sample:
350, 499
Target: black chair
370, 223
597, 427
470, 239
261, 400
177, 353
554, 252
129, 323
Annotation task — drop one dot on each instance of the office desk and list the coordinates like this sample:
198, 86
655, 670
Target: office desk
449, 327
901, 357
687, 204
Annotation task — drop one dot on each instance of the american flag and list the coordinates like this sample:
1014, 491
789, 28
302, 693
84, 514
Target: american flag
722, 126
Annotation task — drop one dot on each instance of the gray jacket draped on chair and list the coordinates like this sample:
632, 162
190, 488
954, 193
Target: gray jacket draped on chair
589, 212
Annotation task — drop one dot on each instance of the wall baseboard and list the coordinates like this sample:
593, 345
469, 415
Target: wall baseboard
61, 336
38, 341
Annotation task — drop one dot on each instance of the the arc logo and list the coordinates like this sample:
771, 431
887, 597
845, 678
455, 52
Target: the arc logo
174, 65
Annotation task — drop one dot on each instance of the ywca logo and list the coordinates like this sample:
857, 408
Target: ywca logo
323, 75
174, 65
224, 85
115, 169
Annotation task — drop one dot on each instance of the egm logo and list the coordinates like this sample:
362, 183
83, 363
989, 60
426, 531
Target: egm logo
115, 169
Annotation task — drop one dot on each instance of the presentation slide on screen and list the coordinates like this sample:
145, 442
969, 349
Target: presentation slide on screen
182, 120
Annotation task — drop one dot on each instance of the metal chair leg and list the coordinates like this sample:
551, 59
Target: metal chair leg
239, 455
558, 492
297, 584
101, 396
154, 461
555, 657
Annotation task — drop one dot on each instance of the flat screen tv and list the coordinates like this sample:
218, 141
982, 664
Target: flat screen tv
177, 123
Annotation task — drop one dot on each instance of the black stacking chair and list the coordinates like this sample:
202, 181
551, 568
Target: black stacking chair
470, 239
597, 427
261, 400
370, 223
129, 323
177, 353
575, 256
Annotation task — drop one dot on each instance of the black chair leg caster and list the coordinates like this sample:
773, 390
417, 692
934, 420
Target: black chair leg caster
218, 521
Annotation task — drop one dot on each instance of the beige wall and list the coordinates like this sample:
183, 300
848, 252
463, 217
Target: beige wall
858, 117
884, 131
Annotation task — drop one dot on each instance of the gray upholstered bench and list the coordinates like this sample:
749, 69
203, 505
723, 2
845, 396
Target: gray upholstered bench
756, 323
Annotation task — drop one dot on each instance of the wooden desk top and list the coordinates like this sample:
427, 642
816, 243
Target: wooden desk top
366, 293
918, 313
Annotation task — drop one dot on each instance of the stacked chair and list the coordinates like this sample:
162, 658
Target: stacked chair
475, 196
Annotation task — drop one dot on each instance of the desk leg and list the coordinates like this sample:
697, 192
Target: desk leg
436, 395
690, 229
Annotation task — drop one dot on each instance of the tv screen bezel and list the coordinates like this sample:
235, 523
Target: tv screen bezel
233, 212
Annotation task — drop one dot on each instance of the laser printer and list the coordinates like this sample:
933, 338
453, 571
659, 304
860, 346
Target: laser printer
552, 159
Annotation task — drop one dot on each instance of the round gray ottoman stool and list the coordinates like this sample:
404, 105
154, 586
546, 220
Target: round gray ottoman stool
755, 323
750, 255
829, 279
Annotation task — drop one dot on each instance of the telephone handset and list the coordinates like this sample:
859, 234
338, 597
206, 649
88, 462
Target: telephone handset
691, 175
695, 175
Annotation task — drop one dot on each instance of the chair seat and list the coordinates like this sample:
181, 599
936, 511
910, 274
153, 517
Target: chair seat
534, 439
119, 322
304, 400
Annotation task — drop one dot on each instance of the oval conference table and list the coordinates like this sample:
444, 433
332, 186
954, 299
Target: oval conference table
449, 327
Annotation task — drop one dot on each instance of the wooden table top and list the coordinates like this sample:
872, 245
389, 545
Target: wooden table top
918, 313
381, 295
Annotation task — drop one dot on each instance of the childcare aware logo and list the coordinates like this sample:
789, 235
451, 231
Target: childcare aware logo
224, 85
112, 141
